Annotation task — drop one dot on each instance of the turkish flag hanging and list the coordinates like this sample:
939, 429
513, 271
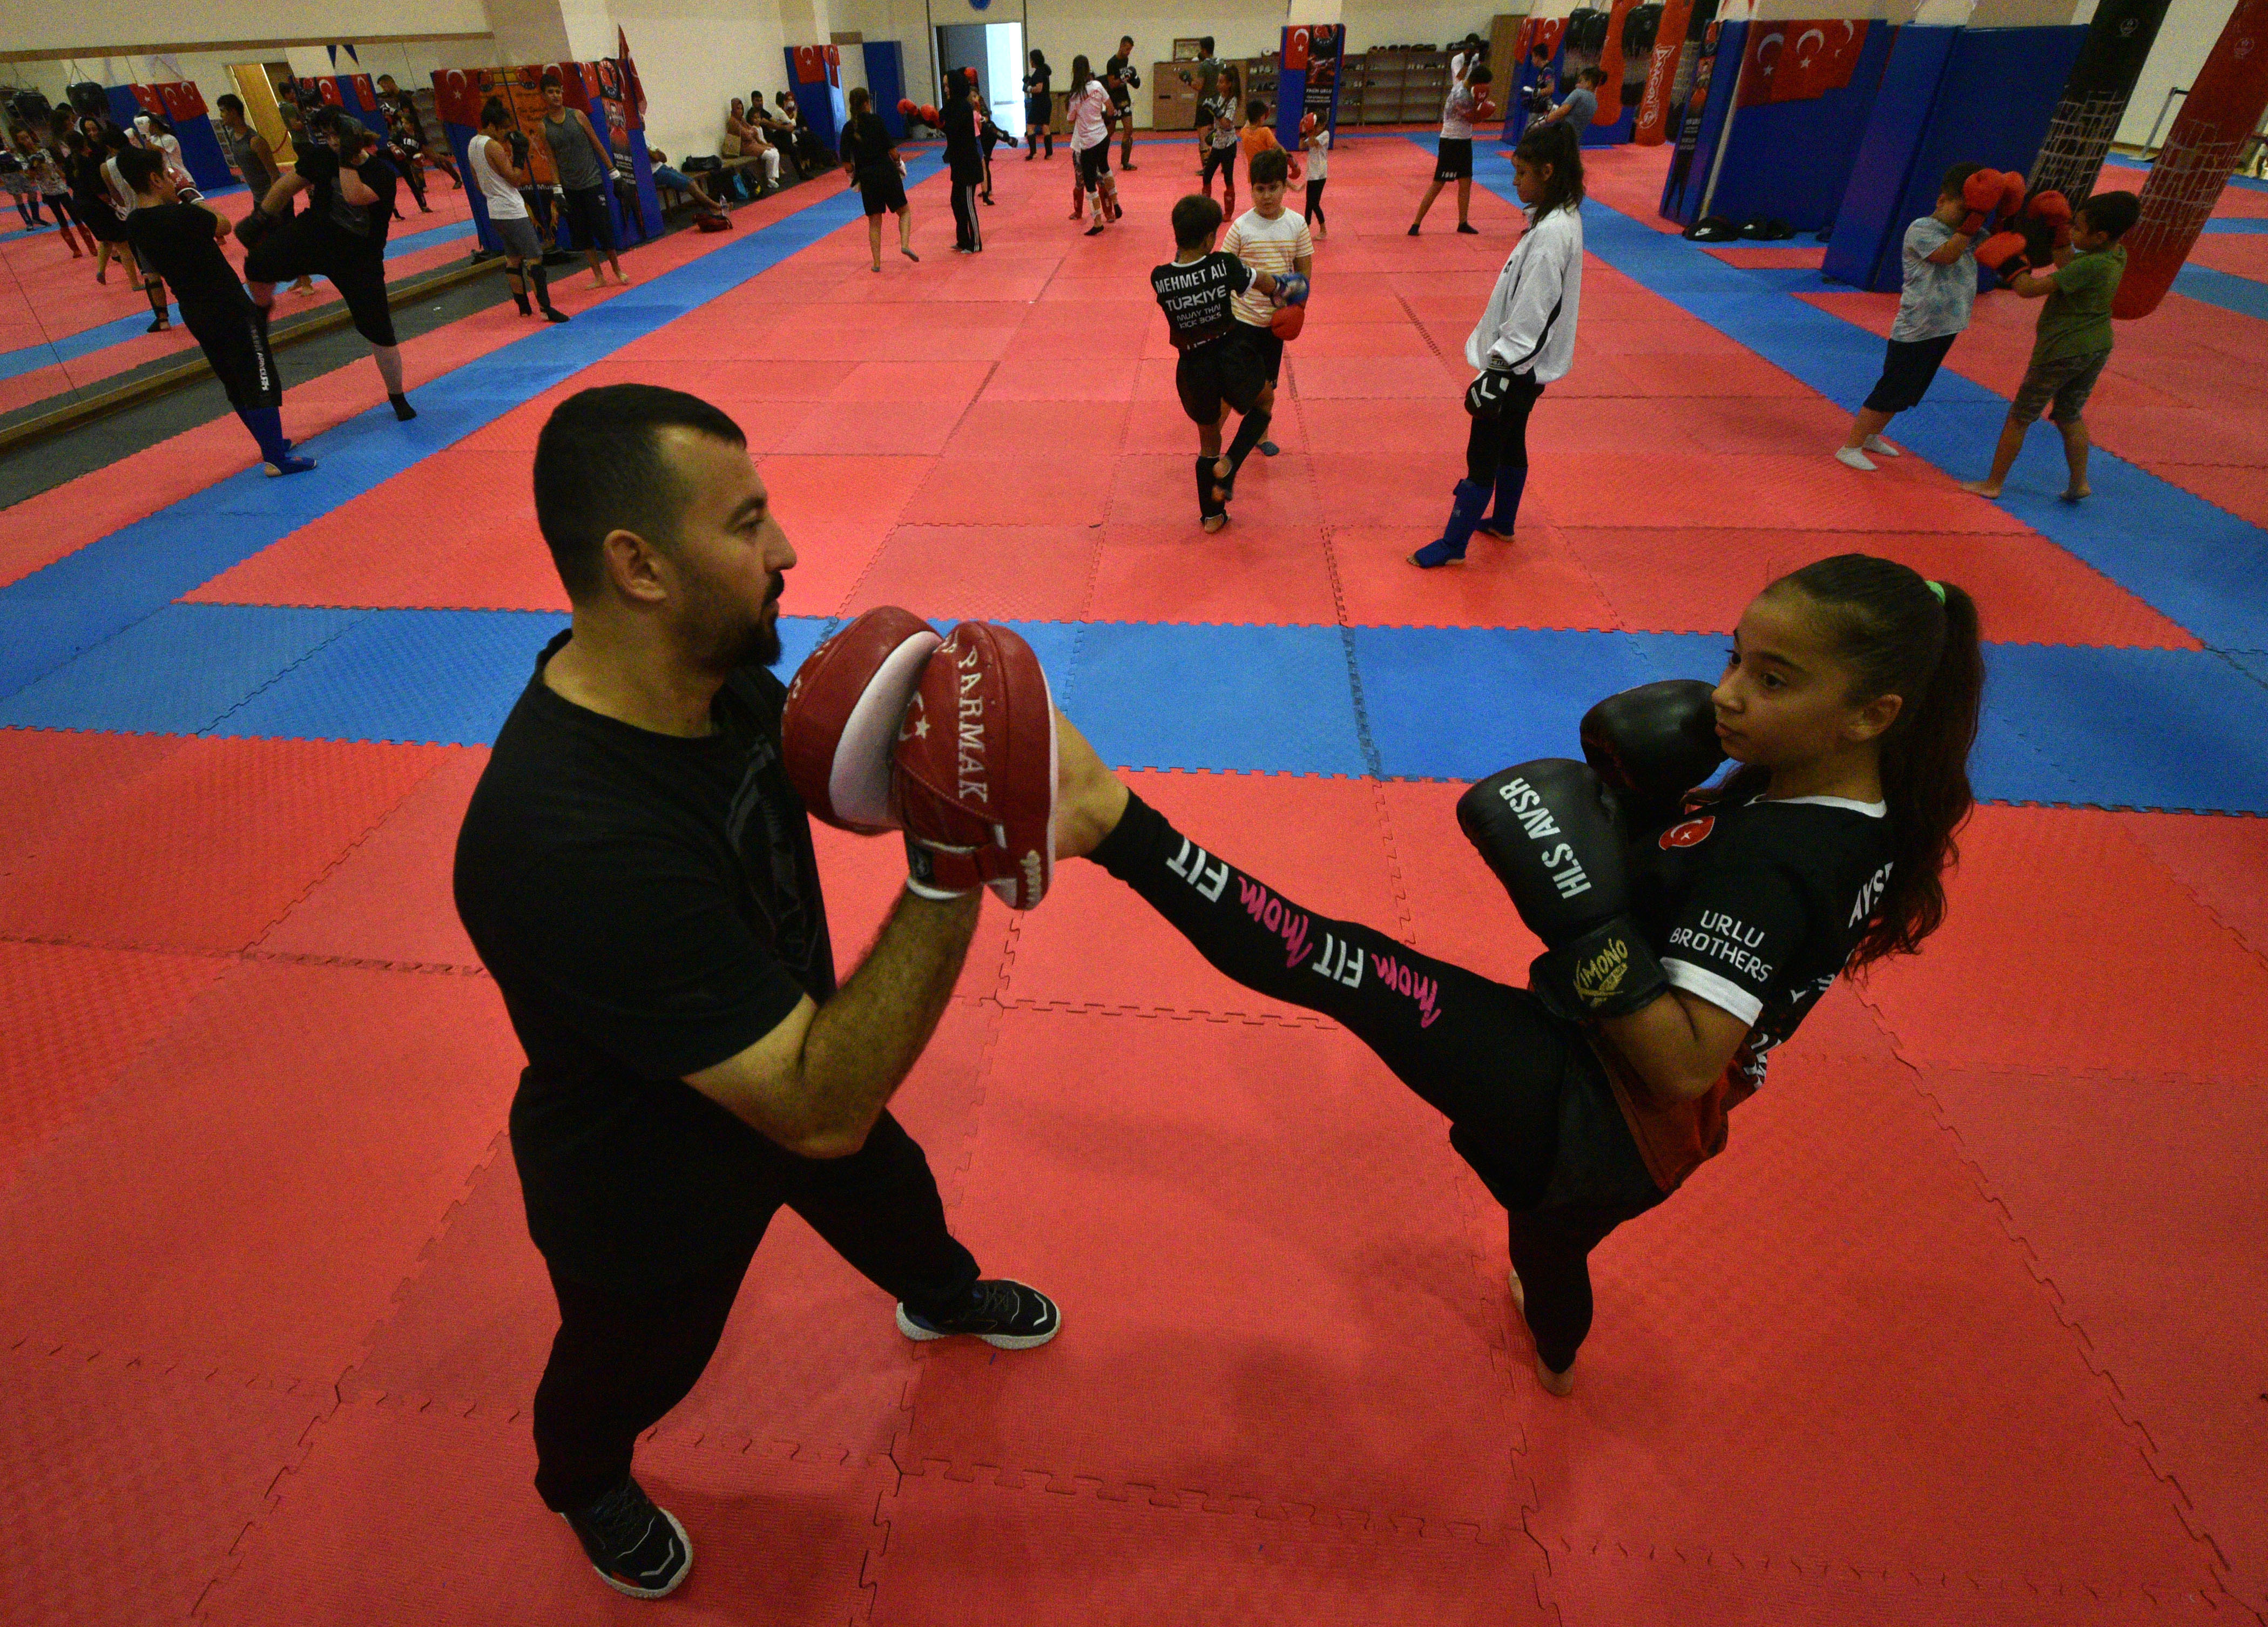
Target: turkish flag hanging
147, 96
328, 89
810, 67
183, 100
1799, 60
1296, 49
368, 92
457, 97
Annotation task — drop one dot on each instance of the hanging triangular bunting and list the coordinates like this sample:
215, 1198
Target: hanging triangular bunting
351, 57
334, 50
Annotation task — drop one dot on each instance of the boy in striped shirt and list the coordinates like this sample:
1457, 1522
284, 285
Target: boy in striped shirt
1268, 237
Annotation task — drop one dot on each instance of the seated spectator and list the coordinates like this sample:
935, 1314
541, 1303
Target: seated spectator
665, 176
747, 141
777, 130
811, 156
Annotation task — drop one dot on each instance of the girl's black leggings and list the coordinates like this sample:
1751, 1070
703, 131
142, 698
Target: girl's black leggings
1501, 440
1486, 1056
1312, 210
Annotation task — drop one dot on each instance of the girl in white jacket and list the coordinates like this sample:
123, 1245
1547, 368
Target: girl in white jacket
1524, 340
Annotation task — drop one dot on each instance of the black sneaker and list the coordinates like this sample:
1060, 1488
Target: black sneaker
1468, 229
1004, 1314
636, 1547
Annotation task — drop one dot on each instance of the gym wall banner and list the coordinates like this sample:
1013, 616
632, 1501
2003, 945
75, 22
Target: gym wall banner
1309, 79
1799, 60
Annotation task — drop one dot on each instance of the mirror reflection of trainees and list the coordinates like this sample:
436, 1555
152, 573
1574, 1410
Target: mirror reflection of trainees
179, 238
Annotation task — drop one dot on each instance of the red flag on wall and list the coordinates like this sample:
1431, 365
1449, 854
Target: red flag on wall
147, 96
635, 99
182, 101
368, 92
1799, 60
328, 91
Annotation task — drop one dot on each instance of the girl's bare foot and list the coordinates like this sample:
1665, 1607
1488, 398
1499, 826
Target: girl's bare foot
2079, 494
1557, 1383
1212, 523
1982, 487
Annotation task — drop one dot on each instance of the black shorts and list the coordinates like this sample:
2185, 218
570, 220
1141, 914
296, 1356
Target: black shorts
312, 247
236, 344
882, 190
1908, 366
1456, 160
587, 218
1224, 370
1093, 164
1264, 347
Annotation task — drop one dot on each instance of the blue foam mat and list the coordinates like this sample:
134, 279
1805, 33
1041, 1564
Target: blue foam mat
2144, 728
2229, 292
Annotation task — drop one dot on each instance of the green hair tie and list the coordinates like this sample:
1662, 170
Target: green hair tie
1935, 587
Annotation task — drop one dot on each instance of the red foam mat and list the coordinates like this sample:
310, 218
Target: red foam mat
384, 1493
1532, 581
990, 1555
811, 1360
2109, 949
1304, 1254
1701, 578
1826, 1348
1318, 840
1253, 571
2143, 1206
128, 1484
999, 572
57, 777
74, 1018
390, 898
209, 847
2220, 860
335, 1113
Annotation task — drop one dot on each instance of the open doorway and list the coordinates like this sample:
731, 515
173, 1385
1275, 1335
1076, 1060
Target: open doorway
995, 50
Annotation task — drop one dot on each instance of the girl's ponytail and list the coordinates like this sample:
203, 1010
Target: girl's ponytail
1919, 640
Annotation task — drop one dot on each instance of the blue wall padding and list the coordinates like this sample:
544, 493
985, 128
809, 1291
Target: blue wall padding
1681, 191
1987, 101
886, 82
1868, 228
1792, 160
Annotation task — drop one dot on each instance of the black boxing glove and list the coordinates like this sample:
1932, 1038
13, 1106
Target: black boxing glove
518, 141
1549, 830
318, 164
1652, 745
255, 226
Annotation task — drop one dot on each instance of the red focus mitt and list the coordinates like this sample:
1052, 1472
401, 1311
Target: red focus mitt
1981, 191
1288, 321
842, 717
975, 769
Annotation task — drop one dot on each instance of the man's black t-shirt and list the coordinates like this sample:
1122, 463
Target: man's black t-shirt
176, 241
1195, 295
649, 906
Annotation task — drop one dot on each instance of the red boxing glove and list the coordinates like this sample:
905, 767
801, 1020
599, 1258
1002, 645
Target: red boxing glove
1981, 191
1288, 321
2002, 249
2055, 209
841, 721
975, 779
2012, 194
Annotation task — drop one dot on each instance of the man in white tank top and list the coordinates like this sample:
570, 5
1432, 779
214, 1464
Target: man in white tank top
499, 159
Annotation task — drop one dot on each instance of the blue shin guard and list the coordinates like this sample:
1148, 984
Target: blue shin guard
1510, 481
1464, 512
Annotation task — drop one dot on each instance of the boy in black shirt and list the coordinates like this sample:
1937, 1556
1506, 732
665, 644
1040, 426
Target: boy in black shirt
636, 870
1214, 374
351, 188
180, 242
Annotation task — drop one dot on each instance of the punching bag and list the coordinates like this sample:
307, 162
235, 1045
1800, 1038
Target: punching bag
2094, 98
2200, 153
1661, 73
